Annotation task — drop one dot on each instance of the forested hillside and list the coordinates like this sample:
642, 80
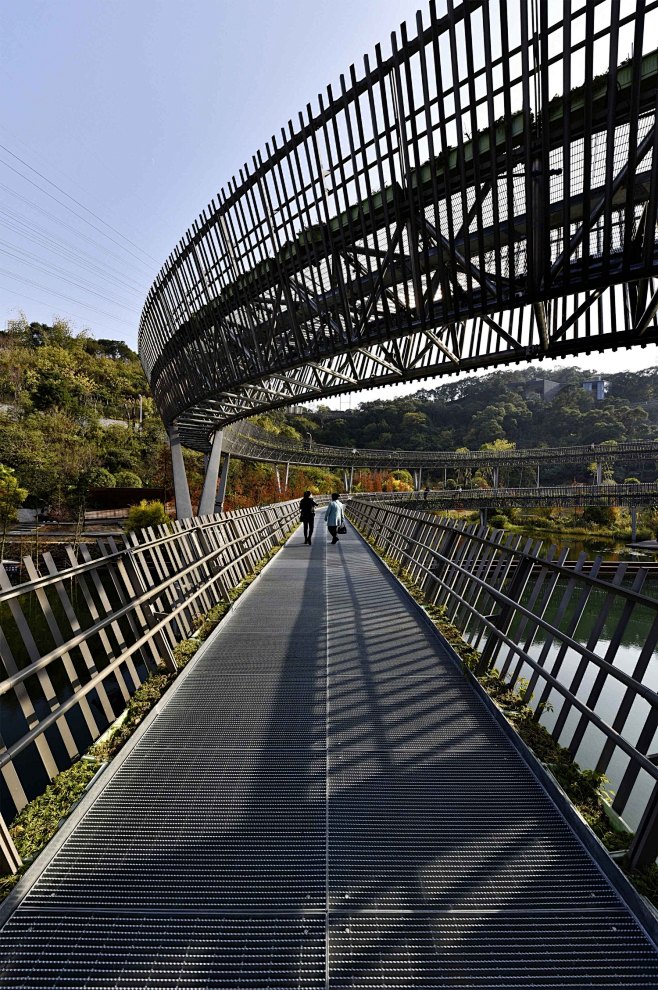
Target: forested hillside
60, 392
507, 405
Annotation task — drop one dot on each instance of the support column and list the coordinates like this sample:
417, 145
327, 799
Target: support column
351, 479
496, 475
223, 481
285, 483
181, 488
484, 513
209, 492
633, 523
345, 480
599, 472
445, 477
538, 476
278, 478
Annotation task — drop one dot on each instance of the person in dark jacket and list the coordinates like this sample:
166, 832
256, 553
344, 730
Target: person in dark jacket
307, 509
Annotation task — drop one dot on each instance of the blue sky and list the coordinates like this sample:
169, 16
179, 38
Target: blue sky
141, 110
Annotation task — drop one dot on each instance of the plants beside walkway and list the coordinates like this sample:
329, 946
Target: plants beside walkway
586, 789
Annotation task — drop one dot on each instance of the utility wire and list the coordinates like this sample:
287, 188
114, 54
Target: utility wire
63, 276
64, 255
78, 302
61, 223
77, 202
74, 212
60, 312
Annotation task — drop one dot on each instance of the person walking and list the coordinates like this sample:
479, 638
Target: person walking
334, 516
307, 509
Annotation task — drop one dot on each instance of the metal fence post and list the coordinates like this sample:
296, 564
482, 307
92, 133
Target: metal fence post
643, 850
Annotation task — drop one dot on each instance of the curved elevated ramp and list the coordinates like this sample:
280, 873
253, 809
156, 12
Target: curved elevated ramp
322, 800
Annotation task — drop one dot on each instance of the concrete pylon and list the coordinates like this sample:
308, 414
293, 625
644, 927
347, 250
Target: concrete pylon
223, 482
181, 487
209, 492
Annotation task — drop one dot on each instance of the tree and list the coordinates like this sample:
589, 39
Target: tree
12, 497
127, 479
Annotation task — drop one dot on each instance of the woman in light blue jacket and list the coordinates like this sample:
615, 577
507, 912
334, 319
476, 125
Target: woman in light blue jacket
334, 516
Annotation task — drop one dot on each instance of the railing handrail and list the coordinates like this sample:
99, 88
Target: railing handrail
552, 565
462, 567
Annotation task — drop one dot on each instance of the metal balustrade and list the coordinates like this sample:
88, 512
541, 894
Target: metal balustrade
576, 495
249, 441
77, 641
500, 593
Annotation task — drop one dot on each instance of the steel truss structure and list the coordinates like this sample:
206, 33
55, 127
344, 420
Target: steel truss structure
251, 442
444, 211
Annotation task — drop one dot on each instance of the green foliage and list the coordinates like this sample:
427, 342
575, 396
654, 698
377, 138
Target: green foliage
61, 389
127, 479
100, 477
498, 521
599, 515
500, 411
141, 703
38, 821
12, 497
146, 514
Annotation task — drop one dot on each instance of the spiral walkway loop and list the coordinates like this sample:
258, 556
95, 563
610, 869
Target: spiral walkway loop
487, 194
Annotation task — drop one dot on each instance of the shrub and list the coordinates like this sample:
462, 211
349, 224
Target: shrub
127, 479
100, 477
498, 521
146, 514
599, 515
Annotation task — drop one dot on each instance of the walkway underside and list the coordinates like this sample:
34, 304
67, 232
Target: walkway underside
322, 801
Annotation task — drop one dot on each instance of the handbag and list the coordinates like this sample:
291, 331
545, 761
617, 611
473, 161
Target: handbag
342, 528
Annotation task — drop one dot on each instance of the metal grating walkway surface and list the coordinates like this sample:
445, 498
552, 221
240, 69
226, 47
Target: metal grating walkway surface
321, 801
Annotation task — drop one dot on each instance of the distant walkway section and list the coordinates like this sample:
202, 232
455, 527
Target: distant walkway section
322, 800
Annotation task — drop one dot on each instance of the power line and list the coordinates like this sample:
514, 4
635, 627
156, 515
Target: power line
58, 311
40, 236
60, 222
75, 214
78, 302
51, 246
60, 274
77, 202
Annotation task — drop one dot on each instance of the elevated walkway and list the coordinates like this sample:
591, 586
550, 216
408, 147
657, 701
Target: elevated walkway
322, 800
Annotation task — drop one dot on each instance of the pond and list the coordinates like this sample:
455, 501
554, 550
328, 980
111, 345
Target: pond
626, 659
